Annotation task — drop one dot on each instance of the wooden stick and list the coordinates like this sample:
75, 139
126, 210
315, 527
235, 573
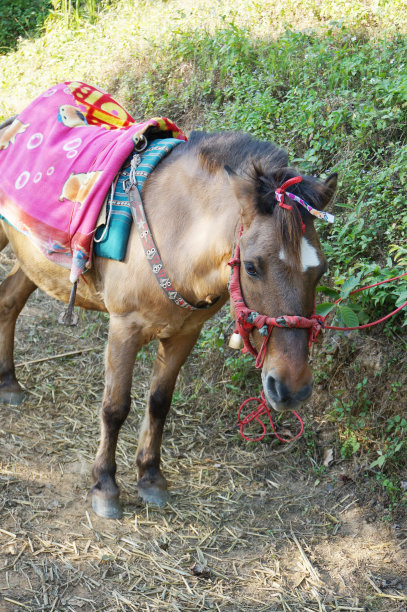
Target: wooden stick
78, 352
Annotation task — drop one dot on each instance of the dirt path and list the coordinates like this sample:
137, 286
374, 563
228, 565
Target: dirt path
248, 527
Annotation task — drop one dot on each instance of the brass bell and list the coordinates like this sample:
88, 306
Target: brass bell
236, 341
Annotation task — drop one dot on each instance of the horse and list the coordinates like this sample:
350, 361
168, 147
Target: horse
196, 200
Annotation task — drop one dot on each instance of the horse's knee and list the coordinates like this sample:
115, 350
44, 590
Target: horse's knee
114, 414
8, 307
159, 403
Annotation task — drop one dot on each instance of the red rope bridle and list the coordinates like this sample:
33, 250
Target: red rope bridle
247, 320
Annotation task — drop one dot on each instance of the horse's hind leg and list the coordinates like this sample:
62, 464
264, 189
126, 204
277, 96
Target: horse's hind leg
172, 353
14, 292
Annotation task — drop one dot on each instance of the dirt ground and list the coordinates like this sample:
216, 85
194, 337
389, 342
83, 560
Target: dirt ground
248, 527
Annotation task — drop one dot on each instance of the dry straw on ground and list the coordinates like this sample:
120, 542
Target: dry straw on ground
248, 527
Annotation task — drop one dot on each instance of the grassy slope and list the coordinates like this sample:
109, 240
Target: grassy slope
328, 81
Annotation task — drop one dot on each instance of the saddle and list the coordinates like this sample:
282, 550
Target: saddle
58, 160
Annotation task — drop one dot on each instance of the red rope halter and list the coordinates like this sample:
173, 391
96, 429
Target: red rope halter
247, 320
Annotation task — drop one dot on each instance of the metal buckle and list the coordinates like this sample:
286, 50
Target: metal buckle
141, 145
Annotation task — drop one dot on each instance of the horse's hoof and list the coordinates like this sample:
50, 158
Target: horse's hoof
107, 508
153, 495
11, 398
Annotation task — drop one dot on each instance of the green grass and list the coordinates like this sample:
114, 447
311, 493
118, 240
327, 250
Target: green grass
326, 80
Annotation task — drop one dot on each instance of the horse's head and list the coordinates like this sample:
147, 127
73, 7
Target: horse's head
281, 264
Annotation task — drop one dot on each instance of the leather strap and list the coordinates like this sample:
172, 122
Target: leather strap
152, 254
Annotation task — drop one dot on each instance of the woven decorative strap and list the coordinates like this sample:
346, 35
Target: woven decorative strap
281, 192
147, 156
151, 251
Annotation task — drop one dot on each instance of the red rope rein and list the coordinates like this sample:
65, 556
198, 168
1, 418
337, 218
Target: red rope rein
372, 323
255, 415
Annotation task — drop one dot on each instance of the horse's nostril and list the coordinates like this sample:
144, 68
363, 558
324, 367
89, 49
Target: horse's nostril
277, 390
279, 393
271, 387
304, 393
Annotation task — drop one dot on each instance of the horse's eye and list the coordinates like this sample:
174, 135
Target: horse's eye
251, 269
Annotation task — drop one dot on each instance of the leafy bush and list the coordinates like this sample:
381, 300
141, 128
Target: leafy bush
336, 102
21, 18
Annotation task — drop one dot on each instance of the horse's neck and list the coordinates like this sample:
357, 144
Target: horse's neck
193, 216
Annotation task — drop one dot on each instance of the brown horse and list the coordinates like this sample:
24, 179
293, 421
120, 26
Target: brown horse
194, 208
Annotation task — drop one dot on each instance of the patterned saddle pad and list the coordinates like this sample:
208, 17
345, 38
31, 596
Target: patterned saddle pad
112, 236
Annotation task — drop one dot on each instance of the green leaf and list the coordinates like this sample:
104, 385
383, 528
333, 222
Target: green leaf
401, 299
380, 461
324, 308
327, 291
362, 316
348, 316
350, 284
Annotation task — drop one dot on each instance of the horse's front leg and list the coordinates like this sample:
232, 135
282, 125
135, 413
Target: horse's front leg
172, 353
124, 341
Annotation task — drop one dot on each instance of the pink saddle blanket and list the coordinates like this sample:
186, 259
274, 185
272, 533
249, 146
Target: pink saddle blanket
57, 162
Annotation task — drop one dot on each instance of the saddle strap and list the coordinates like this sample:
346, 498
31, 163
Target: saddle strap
151, 251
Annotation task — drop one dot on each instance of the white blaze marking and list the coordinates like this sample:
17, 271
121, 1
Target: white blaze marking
309, 255
281, 254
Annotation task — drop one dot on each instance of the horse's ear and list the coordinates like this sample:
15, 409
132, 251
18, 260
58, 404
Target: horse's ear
245, 194
329, 188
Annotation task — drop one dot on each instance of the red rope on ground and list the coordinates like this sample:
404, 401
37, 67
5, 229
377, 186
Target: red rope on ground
255, 415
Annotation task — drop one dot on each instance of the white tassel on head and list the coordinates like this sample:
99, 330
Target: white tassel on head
236, 341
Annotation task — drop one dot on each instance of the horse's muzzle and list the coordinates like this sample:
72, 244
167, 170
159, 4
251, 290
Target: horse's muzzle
280, 397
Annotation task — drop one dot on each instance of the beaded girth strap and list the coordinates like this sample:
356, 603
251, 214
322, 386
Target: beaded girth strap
149, 246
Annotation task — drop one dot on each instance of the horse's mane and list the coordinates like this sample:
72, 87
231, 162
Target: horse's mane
267, 166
